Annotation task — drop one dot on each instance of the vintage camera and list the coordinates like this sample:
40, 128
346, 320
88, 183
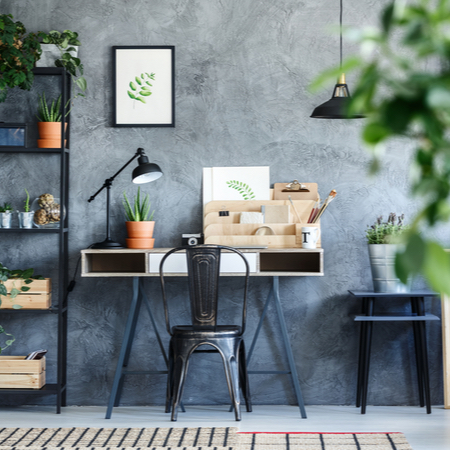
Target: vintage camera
192, 239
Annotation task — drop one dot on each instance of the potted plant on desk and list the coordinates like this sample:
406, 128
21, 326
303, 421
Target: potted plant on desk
384, 240
140, 223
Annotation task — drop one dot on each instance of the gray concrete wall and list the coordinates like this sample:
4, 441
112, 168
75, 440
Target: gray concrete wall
242, 73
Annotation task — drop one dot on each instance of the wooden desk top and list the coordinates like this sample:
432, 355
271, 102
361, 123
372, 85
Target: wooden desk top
143, 262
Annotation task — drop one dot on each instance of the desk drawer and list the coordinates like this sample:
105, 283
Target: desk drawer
176, 263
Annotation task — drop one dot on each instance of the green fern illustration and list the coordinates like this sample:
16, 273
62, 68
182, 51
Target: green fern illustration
243, 188
138, 87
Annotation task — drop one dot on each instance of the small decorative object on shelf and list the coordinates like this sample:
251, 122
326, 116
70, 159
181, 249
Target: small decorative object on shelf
26, 216
47, 211
13, 135
384, 240
5, 215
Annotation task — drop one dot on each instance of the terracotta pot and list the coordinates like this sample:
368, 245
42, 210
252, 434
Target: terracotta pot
140, 229
50, 134
140, 242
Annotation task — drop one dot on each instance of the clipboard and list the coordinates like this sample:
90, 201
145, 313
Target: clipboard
278, 193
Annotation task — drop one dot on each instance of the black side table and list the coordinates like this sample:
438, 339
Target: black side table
418, 317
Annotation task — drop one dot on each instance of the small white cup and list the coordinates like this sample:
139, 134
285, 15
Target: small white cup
310, 236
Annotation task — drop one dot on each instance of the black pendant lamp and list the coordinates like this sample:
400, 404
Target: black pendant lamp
336, 107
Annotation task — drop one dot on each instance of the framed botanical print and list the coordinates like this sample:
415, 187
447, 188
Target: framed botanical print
144, 86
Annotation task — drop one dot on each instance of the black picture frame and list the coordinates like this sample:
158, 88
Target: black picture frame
144, 85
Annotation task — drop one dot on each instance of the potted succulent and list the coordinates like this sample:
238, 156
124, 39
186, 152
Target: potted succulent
139, 221
49, 125
19, 52
61, 50
383, 239
26, 216
6, 215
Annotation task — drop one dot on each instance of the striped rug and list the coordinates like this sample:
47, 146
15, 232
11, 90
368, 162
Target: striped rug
191, 439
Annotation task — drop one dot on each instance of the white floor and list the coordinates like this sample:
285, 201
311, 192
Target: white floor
423, 431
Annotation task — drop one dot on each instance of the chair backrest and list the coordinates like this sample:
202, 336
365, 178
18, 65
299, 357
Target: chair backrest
203, 264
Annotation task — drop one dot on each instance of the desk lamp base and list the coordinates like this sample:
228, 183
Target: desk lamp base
107, 244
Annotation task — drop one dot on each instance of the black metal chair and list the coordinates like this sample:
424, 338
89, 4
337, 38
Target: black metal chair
203, 263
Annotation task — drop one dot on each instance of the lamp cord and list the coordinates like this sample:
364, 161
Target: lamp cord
340, 29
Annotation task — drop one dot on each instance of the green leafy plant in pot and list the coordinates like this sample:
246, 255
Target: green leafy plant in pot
6, 215
384, 240
60, 49
49, 125
19, 52
26, 216
139, 223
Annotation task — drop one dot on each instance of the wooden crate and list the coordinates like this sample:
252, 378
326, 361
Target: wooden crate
18, 373
38, 297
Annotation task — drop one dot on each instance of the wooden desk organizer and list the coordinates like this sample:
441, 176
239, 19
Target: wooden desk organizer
226, 230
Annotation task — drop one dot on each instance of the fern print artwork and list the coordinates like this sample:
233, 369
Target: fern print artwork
243, 188
141, 87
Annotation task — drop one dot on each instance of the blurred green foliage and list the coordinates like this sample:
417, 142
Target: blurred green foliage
403, 87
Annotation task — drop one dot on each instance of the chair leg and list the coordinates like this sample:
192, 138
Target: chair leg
243, 377
179, 376
229, 353
170, 370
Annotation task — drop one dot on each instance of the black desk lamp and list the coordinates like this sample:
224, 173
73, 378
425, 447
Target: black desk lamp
143, 173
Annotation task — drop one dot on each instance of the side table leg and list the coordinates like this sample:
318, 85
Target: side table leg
366, 362
361, 357
287, 346
420, 305
126, 345
419, 353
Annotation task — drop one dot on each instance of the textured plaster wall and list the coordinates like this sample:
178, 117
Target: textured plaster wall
242, 73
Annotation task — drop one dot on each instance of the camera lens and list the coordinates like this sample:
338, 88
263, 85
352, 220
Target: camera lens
192, 241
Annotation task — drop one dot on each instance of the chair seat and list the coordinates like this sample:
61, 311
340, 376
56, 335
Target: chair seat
219, 331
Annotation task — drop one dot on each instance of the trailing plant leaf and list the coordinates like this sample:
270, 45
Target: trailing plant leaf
8, 342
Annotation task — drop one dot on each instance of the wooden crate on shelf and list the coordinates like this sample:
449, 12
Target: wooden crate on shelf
18, 373
38, 297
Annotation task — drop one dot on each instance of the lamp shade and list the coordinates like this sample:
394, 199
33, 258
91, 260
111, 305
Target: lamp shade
336, 107
145, 171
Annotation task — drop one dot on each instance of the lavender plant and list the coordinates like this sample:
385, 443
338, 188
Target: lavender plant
386, 232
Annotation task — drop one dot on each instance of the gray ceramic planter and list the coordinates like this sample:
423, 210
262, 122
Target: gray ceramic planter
382, 263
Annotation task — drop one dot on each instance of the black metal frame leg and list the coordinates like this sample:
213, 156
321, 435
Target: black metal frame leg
275, 295
126, 347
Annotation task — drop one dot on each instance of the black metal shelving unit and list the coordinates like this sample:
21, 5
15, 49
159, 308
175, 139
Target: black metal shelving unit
62, 233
